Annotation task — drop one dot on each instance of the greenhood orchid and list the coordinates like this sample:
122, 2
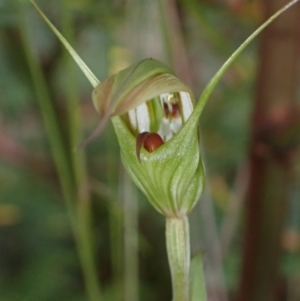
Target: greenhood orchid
147, 100
156, 122
149, 107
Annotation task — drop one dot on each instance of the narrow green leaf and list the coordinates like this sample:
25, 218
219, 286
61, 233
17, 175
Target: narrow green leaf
198, 289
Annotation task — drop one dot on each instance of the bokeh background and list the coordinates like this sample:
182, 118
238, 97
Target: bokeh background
73, 226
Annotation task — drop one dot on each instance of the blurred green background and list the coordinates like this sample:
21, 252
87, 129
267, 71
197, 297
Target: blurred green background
48, 192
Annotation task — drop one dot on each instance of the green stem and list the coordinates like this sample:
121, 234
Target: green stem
178, 248
85, 250
116, 247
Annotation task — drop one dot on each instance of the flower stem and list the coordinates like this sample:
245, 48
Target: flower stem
178, 249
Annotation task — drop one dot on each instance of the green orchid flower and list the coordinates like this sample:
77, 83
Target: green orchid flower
147, 102
149, 107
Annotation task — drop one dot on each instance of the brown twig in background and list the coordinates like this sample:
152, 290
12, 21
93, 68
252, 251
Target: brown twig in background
176, 41
269, 155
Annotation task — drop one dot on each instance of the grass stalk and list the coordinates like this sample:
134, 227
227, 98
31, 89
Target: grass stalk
66, 173
49, 117
116, 247
115, 215
83, 204
131, 290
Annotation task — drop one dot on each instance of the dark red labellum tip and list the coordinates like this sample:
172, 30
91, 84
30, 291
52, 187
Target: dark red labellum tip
150, 141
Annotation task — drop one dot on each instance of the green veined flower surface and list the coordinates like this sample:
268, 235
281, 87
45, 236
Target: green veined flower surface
148, 97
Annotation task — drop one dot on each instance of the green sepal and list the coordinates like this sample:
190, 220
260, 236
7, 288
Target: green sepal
197, 286
172, 177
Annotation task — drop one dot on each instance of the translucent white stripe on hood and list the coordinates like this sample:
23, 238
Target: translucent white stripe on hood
187, 105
